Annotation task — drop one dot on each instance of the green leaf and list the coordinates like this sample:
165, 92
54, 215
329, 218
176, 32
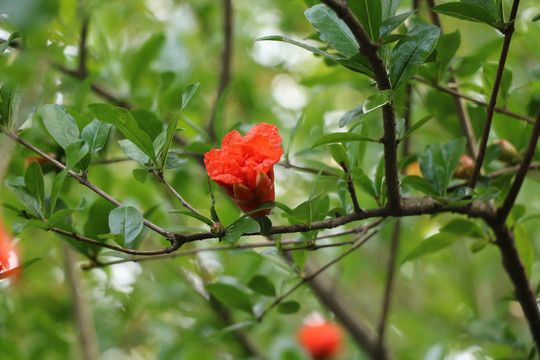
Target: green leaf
417, 126
419, 184
262, 285
240, 227
231, 296
409, 53
139, 62
134, 152
288, 307
489, 5
187, 94
392, 23
58, 182
341, 137
127, 221
389, 8
124, 121
469, 12
33, 180
265, 224
438, 163
360, 177
355, 114
6, 98
60, 124
199, 217
5, 44
377, 100
332, 29
489, 72
340, 154
95, 134
17, 186
356, 63
431, 244
141, 175
75, 152
464, 228
447, 47
369, 12
30, 262
174, 161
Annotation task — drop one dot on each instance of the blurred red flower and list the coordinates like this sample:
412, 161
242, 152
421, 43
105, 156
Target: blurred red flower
322, 340
9, 259
244, 166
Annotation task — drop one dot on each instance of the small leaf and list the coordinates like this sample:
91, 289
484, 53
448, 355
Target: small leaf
377, 100
430, 245
187, 94
4, 45
369, 12
123, 120
419, 184
341, 137
417, 126
95, 134
265, 224
127, 221
75, 152
199, 217
230, 295
339, 154
355, 114
6, 99
141, 175
262, 285
288, 307
240, 227
469, 12
134, 152
392, 23
60, 124
409, 53
30, 262
33, 180
17, 186
332, 29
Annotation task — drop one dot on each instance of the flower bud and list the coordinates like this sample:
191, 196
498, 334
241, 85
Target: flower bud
509, 153
218, 230
465, 168
322, 340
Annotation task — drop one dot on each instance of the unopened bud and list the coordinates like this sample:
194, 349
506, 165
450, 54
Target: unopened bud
218, 230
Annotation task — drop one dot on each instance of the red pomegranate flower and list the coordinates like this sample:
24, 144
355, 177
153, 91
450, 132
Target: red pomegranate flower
244, 166
322, 340
9, 258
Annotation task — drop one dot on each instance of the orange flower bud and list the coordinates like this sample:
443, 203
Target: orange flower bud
465, 167
413, 169
39, 159
322, 340
244, 166
509, 153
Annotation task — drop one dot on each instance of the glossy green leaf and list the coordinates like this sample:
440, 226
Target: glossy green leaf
350, 116
199, 217
417, 125
392, 23
369, 12
17, 186
332, 29
419, 184
124, 121
262, 285
409, 53
4, 45
491, 6
341, 137
75, 152
447, 47
240, 227
33, 180
339, 154
6, 96
469, 12
187, 94
265, 224
431, 244
95, 134
134, 152
389, 8
127, 221
357, 62
489, 72
288, 307
60, 124
377, 100
230, 295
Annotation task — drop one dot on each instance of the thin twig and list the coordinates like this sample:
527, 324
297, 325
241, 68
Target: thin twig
84, 181
175, 246
459, 106
453, 92
389, 283
226, 64
389, 140
494, 94
307, 278
350, 188
175, 193
504, 210
83, 54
